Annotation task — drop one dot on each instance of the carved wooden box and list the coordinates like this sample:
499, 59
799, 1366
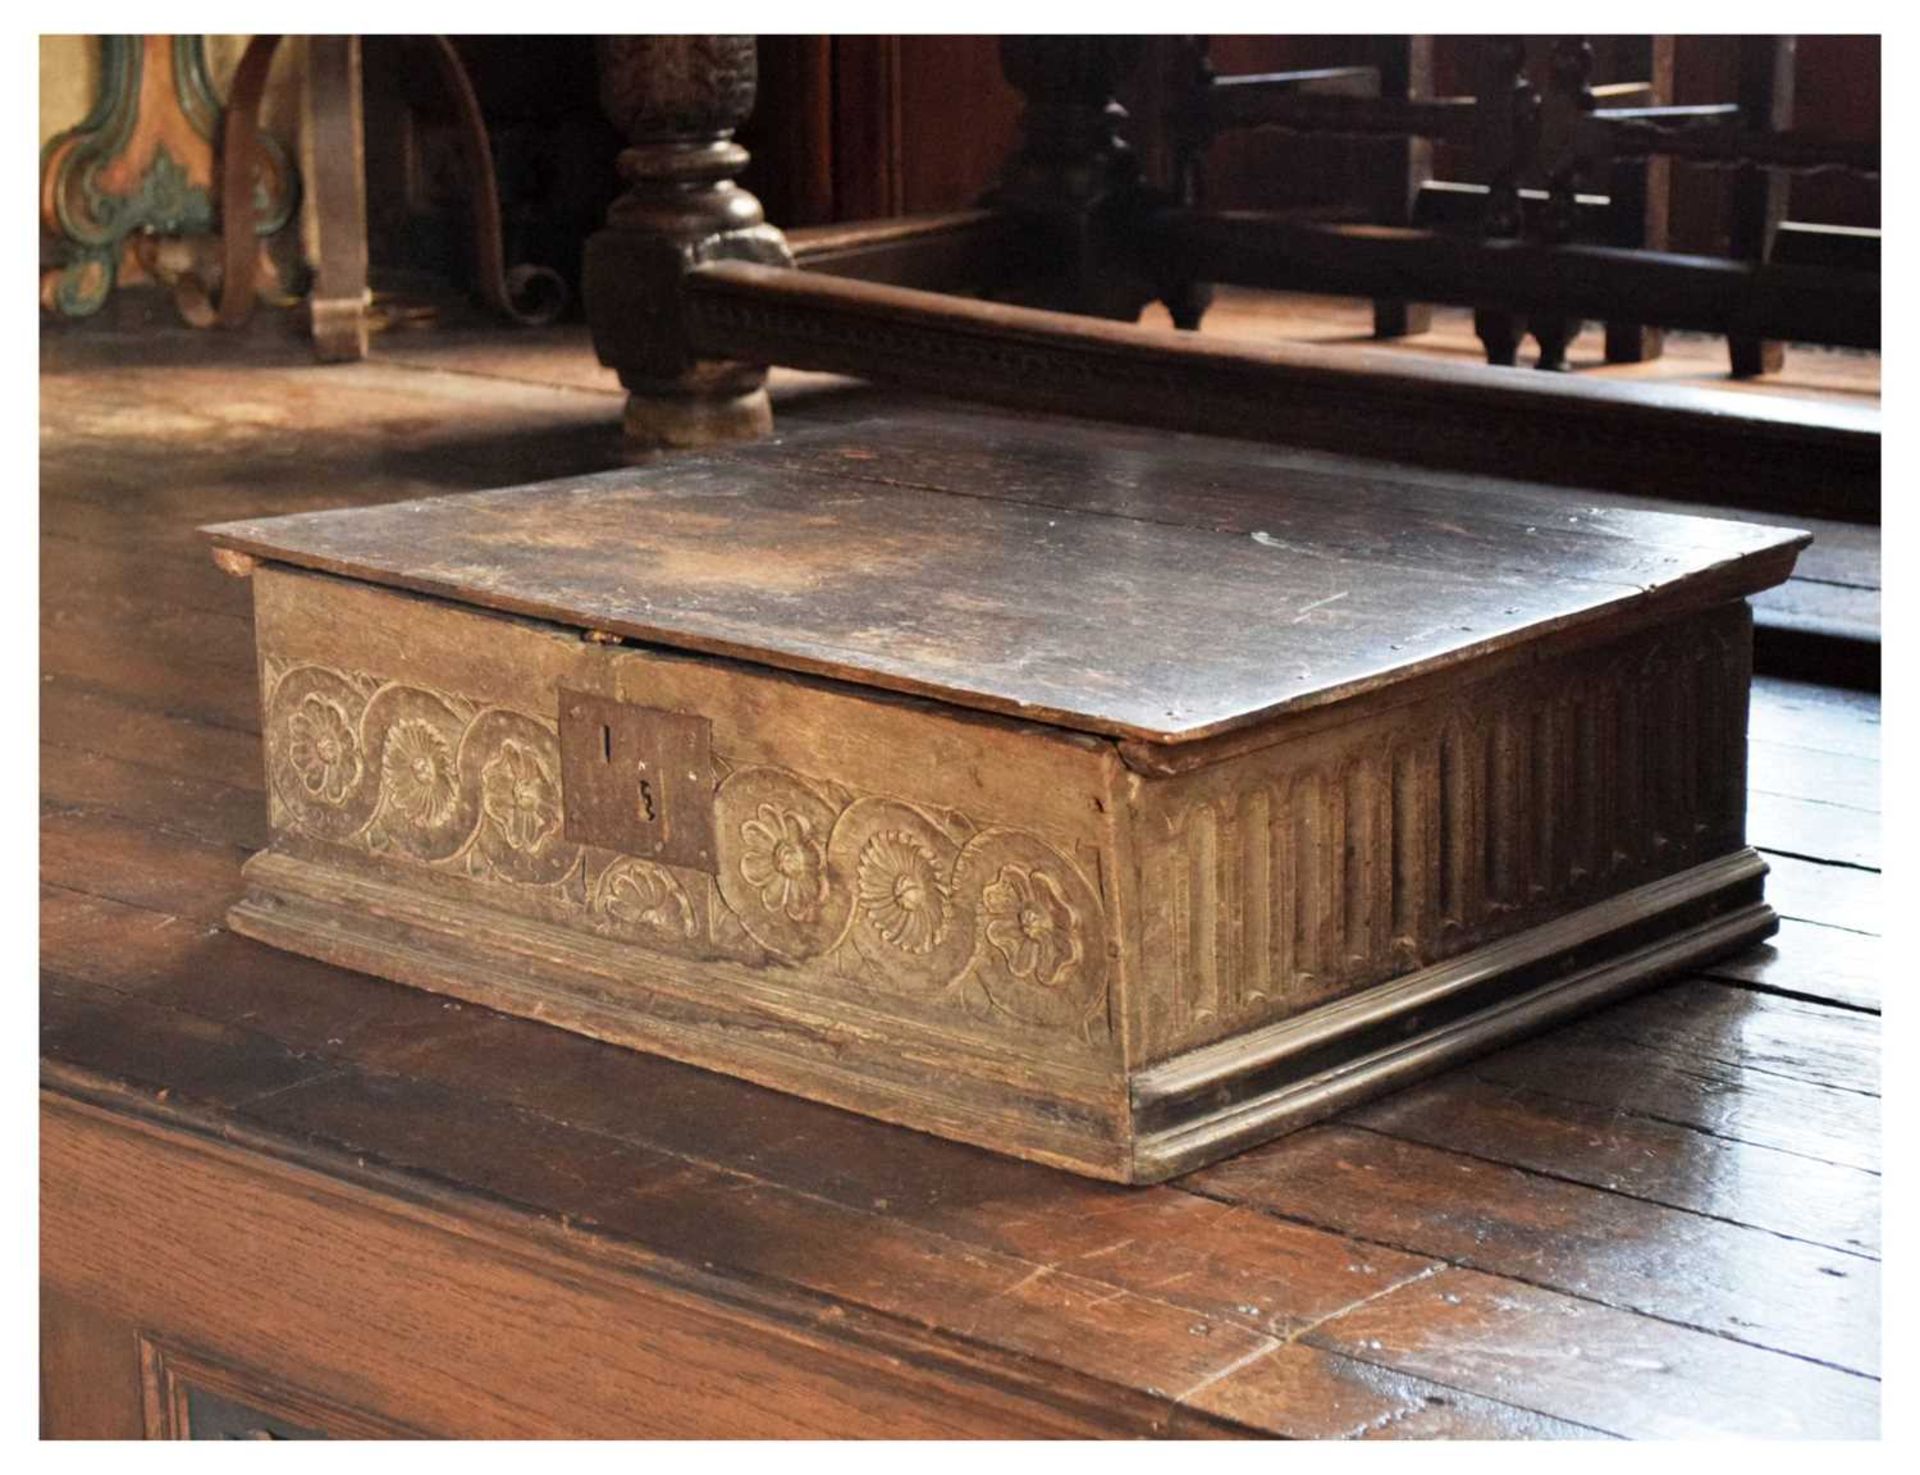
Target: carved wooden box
1115, 800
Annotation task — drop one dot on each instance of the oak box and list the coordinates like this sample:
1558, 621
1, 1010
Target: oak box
1112, 799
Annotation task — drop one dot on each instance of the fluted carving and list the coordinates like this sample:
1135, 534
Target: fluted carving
1412, 838
881, 894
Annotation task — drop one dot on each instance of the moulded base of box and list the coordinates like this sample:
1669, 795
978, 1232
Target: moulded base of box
1163, 1120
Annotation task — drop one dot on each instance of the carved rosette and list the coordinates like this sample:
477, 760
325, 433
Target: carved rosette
317, 759
890, 896
513, 763
931, 905
774, 871
1039, 958
427, 810
909, 919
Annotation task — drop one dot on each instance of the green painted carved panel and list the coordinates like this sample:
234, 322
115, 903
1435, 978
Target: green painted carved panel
141, 162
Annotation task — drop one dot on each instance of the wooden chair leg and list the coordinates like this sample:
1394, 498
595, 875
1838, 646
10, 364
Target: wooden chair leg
1568, 97
1765, 95
1504, 112
1638, 195
1500, 334
1406, 71
243, 254
1554, 335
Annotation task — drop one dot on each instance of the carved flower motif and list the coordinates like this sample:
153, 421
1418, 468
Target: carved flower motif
520, 796
901, 891
323, 750
416, 770
784, 862
1030, 925
645, 897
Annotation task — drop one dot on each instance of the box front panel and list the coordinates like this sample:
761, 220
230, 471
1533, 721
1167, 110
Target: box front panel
1287, 877
934, 886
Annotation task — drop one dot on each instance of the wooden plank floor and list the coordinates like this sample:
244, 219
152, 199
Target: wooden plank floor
1660, 1221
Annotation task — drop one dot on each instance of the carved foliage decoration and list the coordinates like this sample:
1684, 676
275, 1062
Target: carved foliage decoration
651, 86
931, 902
418, 773
871, 892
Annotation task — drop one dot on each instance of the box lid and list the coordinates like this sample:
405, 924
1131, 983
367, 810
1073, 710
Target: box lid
1142, 585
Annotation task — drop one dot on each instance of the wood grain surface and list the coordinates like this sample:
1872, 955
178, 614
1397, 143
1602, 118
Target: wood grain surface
1156, 588
452, 1220
1660, 439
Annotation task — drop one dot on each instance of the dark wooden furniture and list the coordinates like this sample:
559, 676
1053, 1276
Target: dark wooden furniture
1074, 225
1237, 785
1697, 444
342, 1205
1558, 160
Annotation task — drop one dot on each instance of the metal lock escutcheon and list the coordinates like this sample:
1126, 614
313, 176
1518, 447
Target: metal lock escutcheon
636, 779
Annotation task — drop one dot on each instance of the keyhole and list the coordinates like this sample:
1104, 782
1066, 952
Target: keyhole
606, 745
646, 799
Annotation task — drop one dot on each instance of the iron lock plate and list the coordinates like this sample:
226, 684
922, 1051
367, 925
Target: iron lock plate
637, 779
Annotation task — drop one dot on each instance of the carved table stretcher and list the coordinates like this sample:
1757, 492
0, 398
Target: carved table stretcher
1108, 798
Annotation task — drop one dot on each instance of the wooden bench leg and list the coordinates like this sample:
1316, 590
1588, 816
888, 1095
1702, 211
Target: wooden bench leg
1406, 71
1765, 94
1506, 103
1637, 194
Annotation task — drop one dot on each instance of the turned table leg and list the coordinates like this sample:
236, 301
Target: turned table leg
1073, 184
677, 99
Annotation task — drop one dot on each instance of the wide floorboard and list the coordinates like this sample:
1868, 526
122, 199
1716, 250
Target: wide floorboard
1660, 1221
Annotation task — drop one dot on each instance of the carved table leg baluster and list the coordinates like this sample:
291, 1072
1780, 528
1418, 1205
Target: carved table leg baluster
678, 100
1073, 183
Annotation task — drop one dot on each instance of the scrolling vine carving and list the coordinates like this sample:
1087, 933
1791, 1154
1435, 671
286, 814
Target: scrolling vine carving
897, 898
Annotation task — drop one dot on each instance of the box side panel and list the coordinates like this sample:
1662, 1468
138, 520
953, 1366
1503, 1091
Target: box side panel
1283, 878
898, 893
